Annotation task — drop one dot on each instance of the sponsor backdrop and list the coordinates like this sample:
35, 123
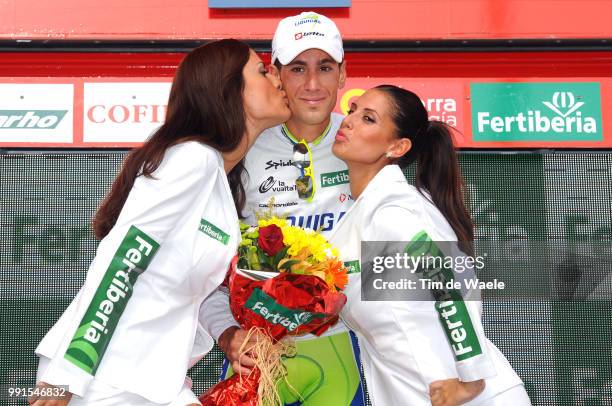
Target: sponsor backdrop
488, 113
357, 19
559, 345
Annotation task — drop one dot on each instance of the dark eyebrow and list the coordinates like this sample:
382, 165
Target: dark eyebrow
296, 62
326, 60
371, 111
303, 63
367, 110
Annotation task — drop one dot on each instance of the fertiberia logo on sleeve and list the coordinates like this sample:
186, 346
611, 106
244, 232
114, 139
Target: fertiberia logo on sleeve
98, 325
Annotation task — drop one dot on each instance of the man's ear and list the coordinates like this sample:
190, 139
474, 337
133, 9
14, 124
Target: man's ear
342, 68
274, 70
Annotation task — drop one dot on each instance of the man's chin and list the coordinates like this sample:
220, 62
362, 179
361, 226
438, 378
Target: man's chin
316, 117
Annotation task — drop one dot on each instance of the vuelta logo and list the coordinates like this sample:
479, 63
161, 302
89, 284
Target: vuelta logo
267, 184
275, 185
135, 113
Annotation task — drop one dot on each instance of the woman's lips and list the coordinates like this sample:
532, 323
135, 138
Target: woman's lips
340, 136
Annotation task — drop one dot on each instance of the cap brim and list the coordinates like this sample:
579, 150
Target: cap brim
287, 57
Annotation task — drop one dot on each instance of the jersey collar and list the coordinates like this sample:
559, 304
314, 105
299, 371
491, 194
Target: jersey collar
287, 133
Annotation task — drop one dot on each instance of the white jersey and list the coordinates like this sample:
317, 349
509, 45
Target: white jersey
271, 174
404, 344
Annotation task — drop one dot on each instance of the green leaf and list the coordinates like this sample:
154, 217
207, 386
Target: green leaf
287, 265
264, 258
279, 256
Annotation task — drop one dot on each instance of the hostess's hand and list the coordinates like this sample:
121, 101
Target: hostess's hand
453, 392
231, 341
44, 396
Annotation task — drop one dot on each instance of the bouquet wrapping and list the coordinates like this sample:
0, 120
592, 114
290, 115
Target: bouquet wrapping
287, 282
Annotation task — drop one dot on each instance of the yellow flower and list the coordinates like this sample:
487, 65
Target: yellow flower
312, 253
280, 222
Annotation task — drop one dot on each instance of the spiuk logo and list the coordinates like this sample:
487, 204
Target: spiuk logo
298, 35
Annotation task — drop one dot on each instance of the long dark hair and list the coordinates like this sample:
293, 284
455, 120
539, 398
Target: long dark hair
205, 105
437, 170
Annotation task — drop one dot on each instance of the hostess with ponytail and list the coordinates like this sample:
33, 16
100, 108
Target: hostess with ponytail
433, 152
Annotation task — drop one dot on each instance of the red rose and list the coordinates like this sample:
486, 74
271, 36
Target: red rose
271, 239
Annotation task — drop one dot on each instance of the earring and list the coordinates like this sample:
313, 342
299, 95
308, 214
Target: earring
388, 155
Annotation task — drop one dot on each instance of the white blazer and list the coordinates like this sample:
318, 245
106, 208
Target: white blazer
404, 346
176, 235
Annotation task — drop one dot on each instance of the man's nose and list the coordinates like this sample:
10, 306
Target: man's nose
312, 80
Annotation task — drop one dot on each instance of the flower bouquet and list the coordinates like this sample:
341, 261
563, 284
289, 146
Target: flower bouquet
287, 282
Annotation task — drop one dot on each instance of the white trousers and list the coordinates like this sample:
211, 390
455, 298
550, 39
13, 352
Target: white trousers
102, 394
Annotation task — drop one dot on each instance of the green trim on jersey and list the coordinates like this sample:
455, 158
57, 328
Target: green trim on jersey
287, 133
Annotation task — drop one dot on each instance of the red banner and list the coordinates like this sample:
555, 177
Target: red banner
123, 112
364, 20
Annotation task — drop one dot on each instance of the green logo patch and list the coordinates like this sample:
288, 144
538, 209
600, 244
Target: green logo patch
352, 266
536, 111
112, 295
330, 179
265, 306
214, 232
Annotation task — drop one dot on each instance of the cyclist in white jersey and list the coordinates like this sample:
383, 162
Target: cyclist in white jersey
272, 175
308, 56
